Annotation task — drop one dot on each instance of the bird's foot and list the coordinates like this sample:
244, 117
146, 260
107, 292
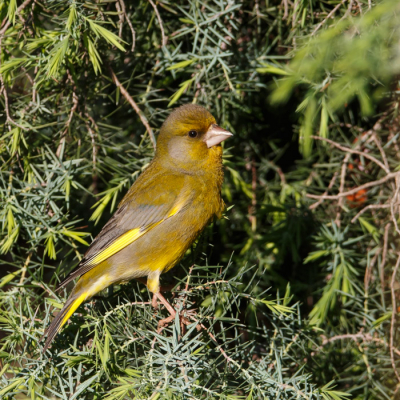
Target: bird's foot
164, 322
164, 301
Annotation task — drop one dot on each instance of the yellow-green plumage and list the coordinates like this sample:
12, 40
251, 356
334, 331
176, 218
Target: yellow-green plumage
161, 215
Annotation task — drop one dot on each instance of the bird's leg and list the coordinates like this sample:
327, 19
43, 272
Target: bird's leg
153, 284
164, 301
154, 302
170, 309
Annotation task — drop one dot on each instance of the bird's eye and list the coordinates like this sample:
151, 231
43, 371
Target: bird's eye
192, 134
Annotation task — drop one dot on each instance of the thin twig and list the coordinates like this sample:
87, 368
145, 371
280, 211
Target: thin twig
132, 102
327, 17
19, 9
352, 151
164, 38
349, 8
294, 15
331, 183
355, 190
285, 8
68, 123
393, 320
394, 202
121, 16
341, 187
251, 166
360, 6
371, 206
9, 120
123, 7
384, 254
383, 154
367, 276
24, 268
365, 337
94, 148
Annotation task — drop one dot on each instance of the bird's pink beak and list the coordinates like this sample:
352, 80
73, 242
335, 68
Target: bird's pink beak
215, 135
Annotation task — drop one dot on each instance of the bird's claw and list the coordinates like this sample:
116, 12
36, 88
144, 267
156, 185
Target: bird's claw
164, 322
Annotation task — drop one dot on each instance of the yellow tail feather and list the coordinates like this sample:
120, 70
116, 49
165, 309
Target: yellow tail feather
73, 308
62, 317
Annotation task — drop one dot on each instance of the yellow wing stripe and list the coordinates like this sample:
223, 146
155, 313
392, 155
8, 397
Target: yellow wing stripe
123, 241
126, 239
73, 308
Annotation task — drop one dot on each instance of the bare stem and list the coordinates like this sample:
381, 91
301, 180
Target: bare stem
134, 105
164, 38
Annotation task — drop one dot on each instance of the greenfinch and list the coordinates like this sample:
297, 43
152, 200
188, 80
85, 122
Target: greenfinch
161, 215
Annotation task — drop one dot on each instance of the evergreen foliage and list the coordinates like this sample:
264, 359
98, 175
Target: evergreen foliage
294, 293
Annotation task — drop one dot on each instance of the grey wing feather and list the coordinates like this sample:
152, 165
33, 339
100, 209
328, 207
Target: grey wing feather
129, 215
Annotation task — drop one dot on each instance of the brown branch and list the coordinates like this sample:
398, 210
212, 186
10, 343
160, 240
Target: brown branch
132, 102
94, 148
68, 123
349, 8
123, 7
285, 8
9, 120
294, 15
355, 190
393, 320
383, 154
164, 38
365, 337
393, 203
327, 17
121, 16
359, 6
24, 268
384, 254
352, 151
341, 187
34, 84
19, 9
367, 276
371, 206
320, 201
251, 166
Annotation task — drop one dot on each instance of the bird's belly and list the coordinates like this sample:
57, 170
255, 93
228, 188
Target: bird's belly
157, 250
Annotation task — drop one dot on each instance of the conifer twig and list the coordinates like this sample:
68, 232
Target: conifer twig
327, 17
19, 9
163, 37
356, 189
134, 105
352, 151
320, 201
133, 33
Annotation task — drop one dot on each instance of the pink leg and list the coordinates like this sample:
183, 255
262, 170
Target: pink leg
168, 306
164, 301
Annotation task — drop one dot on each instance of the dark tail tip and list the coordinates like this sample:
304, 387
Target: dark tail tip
51, 332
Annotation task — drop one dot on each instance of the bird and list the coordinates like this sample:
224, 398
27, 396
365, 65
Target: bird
161, 215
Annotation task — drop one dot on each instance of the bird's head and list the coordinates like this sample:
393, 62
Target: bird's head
190, 136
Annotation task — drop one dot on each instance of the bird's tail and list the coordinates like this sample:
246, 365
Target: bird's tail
62, 317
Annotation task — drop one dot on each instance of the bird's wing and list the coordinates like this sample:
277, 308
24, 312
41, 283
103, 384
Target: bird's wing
146, 205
